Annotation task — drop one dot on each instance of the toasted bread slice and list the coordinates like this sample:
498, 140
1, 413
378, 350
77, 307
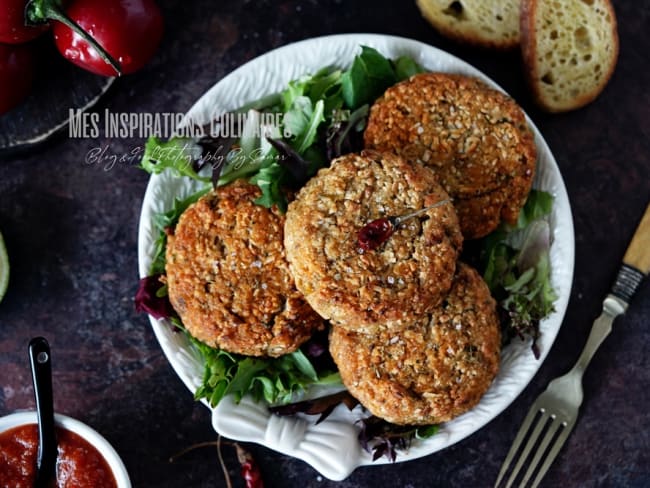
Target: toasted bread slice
570, 48
487, 23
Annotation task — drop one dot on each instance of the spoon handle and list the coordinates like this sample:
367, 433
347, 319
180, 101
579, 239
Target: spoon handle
41, 363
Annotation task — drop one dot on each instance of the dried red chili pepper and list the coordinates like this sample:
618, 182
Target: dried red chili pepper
250, 471
375, 233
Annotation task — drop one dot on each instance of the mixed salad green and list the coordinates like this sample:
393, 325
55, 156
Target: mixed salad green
323, 116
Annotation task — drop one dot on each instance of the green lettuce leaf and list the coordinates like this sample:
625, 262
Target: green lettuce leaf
164, 220
178, 155
276, 380
405, 67
368, 77
517, 269
310, 107
269, 179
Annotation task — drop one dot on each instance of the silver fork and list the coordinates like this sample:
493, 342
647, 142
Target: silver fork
555, 411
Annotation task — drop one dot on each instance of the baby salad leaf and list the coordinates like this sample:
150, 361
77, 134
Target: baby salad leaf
405, 67
384, 439
328, 89
323, 85
517, 269
276, 380
302, 122
307, 136
322, 406
149, 299
297, 166
178, 154
329, 98
538, 205
368, 77
297, 118
344, 131
530, 295
269, 179
164, 221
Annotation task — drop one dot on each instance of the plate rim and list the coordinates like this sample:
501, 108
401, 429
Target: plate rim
562, 203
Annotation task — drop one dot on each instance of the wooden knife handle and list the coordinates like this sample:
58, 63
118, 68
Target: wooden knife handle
636, 262
638, 252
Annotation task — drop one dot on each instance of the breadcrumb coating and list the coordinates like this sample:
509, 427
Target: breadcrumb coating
228, 277
406, 276
473, 137
432, 371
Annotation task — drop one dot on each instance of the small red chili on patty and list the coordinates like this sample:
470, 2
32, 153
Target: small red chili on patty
375, 233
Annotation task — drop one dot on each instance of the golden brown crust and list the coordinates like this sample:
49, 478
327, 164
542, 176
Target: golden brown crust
529, 52
526, 31
475, 138
406, 276
228, 277
433, 371
469, 31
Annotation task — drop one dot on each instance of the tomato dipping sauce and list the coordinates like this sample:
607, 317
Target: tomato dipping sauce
79, 464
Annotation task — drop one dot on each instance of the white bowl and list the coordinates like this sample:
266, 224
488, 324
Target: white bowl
81, 429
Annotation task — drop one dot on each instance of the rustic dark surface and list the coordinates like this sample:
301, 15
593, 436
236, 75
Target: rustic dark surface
71, 232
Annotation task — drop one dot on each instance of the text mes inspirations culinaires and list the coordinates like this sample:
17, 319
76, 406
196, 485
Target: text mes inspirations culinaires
169, 124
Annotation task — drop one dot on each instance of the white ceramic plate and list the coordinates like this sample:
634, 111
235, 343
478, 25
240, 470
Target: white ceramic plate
331, 447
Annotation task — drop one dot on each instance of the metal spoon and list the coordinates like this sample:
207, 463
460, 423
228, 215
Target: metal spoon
40, 361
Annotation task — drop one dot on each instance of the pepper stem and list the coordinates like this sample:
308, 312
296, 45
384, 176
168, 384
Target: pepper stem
401, 218
40, 11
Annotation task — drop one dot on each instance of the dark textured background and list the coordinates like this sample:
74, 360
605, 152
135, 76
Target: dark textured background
71, 231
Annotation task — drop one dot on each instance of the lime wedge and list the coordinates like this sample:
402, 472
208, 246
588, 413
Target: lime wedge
4, 268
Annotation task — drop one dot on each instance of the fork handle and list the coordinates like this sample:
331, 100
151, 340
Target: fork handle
636, 262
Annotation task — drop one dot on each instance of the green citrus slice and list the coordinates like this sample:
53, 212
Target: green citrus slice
4, 268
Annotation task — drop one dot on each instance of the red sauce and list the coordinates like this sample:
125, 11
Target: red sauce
79, 464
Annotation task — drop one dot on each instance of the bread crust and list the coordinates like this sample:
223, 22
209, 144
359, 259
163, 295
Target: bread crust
405, 277
466, 32
529, 52
432, 371
228, 277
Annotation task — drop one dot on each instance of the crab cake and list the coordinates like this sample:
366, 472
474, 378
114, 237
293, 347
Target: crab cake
405, 277
432, 371
228, 278
474, 137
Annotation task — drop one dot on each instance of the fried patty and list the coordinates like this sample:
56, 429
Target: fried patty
432, 371
474, 137
228, 278
405, 277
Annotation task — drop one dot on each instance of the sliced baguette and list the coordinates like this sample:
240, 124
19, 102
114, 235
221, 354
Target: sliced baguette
569, 48
487, 23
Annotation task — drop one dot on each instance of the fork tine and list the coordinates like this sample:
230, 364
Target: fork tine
559, 442
529, 446
523, 430
541, 449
